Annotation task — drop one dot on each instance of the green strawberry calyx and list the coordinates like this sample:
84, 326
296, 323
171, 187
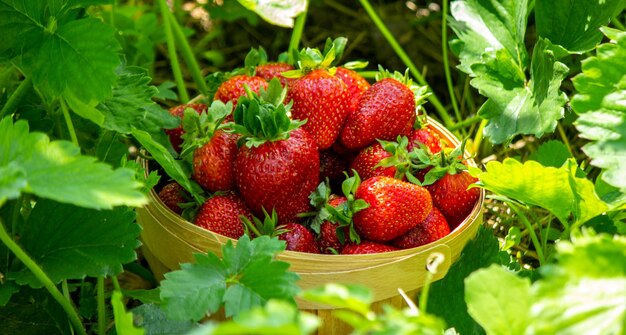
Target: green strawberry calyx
445, 162
268, 227
263, 117
200, 127
343, 213
309, 59
420, 92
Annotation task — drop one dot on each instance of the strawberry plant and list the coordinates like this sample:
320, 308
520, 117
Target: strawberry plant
90, 88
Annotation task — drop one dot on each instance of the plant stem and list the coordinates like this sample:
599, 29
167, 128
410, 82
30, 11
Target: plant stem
446, 64
171, 51
68, 121
188, 55
563, 135
43, 278
617, 23
296, 35
441, 110
16, 97
467, 122
531, 232
102, 313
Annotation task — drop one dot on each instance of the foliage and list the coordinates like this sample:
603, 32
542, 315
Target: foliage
84, 88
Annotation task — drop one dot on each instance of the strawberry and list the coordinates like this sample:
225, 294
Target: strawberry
431, 229
332, 165
357, 85
298, 238
233, 88
278, 167
221, 214
172, 194
366, 247
426, 136
213, 150
269, 71
329, 239
395, 207
367, 162
453, 198
384, 112
213, 163
175, 134
321, 99
448, 181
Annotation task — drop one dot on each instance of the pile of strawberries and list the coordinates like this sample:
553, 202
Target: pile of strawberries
321, 158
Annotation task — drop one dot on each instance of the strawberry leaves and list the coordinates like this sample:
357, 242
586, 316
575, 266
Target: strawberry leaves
71, 242
56, 170
600, 105
491, 49
40, 31
246, 276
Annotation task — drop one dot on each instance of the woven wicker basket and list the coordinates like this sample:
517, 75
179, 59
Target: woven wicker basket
169, 240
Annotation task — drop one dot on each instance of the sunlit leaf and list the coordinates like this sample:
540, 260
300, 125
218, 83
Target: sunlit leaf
56, 170
489, 293
574, 25
601, 105
123, 319
278, 12
555, 189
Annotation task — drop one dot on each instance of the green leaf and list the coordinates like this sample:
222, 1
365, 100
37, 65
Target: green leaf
556, 189
585, 293
352, 297
87, 68
152, 318
56, 170
499, 300
12, 182
123, 320
515, 106
85, 110
247, 276
575, 25
131, 105
276, 317
552, 153
446, 296
600, 104
71, 242
488, 27
277, 12
172, 167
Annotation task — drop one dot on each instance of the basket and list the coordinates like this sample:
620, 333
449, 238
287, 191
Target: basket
169, 240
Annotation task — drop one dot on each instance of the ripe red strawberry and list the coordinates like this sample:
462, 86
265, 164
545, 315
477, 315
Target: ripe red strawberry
213, 163
329, 241
298, 238
447, 181
366, 247
278, 167
426, 136
321, 99
269, 71
451, 196
220, 214
367, 160
357, 85
213, 149
172, 194
233, 88
395, 207
332, 165
176, 134
431, 229
384, 112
